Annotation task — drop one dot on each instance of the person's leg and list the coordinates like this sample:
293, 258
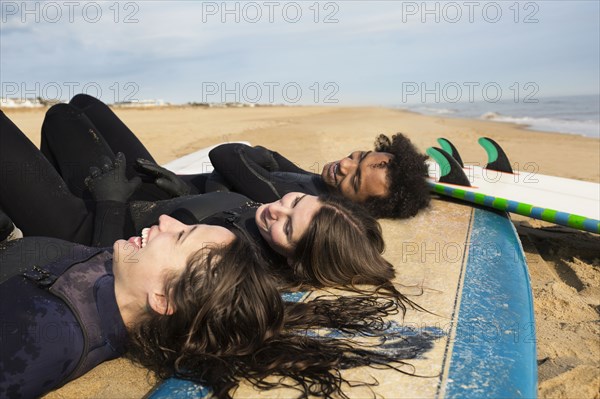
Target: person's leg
72, 143
117, 135
121, 139
32, 193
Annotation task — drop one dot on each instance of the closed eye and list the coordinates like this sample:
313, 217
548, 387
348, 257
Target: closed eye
288, 228
178, 239
190, 231
356, 178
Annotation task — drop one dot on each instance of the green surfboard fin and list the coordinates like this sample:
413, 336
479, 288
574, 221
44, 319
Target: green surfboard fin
497, 159
451, 171
450, 149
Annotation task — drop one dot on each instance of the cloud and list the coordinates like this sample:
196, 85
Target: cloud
170, 48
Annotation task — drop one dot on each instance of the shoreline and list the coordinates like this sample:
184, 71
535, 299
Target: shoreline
522, 126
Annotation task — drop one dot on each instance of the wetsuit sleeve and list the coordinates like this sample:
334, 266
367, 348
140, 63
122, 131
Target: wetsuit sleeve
109, 223
281, 163
248, 170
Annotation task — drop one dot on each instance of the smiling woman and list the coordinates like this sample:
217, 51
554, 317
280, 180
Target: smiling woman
163, 250
282, 223
327, 241
93, 301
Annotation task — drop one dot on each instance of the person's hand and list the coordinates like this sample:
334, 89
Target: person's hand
108, 182
164, 178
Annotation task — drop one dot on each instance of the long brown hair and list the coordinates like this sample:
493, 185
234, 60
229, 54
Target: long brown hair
230, 323
343, 246
224, 306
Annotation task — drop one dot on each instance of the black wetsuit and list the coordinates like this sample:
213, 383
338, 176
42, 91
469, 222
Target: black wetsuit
58, 314
261, 174
40, 202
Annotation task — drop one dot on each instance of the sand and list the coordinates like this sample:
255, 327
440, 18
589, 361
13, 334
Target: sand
564, 264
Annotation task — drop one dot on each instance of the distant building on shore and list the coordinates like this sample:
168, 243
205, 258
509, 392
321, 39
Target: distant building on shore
222, 105
21, 102
141, 104
40, 102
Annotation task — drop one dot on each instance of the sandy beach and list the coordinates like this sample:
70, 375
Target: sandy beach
564, 264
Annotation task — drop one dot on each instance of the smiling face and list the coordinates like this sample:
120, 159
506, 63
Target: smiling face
360, 175
141, 264
282, 223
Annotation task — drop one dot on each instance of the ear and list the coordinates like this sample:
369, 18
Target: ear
160, 304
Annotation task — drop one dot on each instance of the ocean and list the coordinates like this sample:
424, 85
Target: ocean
572, 115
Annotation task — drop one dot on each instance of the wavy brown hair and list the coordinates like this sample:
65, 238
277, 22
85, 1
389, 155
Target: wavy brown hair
343, 246
230, 323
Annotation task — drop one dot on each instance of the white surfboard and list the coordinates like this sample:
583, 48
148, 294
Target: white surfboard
575, 196
568, 202
196, 162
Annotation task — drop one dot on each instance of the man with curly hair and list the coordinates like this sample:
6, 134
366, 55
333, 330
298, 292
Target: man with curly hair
389, 181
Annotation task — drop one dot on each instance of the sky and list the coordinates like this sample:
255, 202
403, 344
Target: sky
349, 52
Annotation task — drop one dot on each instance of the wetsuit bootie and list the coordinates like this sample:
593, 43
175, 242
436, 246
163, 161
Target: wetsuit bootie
8, 231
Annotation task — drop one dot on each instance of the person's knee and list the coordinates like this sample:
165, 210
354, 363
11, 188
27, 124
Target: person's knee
61, 109
83, 100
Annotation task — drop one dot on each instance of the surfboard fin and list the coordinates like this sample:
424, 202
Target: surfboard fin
450, 149
497, 159
450, 170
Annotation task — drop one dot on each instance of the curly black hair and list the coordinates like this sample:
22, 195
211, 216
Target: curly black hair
406, 173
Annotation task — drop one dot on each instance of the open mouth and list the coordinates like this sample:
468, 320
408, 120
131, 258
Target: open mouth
140, 242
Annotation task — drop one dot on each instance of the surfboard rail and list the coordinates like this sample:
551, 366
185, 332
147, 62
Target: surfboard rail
491, 351
503, 204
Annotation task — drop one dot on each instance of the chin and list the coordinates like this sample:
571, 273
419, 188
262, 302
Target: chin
264, 236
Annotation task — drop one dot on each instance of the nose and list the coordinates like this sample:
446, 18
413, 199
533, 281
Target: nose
277, 210
167, 223
347, 165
